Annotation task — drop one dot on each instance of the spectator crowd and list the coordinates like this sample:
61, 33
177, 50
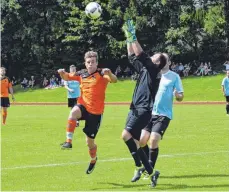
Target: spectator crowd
184, 70
42, 82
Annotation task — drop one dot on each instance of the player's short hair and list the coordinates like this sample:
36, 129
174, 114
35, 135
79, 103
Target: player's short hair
159, 58
2, 68
71, 66
167, 57
91, 54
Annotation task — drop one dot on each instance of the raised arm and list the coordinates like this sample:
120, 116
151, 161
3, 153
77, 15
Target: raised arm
135, 48
131, 37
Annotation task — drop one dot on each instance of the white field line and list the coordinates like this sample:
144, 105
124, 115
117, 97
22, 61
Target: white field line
109, 160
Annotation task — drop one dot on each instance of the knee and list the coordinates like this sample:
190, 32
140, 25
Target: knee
154, 140
75, 113
144, 138
154, 143
90, 143
142, 143
126, 135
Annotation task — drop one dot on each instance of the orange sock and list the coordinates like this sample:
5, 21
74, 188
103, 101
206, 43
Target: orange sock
70, 129
4, 115
92, 153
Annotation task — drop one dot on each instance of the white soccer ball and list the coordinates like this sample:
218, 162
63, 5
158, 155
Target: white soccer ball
93, 10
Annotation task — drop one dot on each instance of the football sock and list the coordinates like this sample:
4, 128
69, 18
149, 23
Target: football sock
4, 115
145, 161
133, 150
92, 153
70, 130
146, 150
153, 153
227, 108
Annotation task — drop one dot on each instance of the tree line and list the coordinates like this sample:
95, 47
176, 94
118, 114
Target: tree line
40, 36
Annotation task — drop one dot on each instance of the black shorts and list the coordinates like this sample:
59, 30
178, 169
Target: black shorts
158, 124
5, 102
92, 122
72, 102
137, 120
227, 98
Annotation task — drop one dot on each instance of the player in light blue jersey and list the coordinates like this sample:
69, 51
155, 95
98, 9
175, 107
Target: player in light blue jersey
170, 86
225, 89
73, 88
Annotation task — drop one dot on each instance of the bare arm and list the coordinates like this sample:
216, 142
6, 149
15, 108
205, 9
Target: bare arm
109, 75
223, 90
137, 48
12, 92
179, 91
66, 87
130, 49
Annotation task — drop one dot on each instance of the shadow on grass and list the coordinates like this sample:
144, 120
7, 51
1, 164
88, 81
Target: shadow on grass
183, 186
120, 186
160, 186
194, 176
169, 185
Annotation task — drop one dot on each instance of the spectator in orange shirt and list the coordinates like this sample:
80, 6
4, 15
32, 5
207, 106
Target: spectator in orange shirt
90, 105
6, 87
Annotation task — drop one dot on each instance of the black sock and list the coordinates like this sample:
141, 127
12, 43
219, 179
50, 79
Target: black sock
146, 150
227, 108
145, 161
133, 150
153, 153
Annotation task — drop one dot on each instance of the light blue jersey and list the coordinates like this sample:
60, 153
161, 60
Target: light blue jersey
225, 84
163, 105
75, 85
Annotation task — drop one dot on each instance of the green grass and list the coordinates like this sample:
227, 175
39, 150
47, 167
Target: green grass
197, 140
196, 89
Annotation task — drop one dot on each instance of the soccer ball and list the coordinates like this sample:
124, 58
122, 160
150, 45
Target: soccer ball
93, 10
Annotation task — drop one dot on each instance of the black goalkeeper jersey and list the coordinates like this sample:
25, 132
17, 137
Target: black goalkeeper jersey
147, 82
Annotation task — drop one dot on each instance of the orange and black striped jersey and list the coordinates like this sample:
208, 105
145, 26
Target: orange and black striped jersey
93, 87
5, 85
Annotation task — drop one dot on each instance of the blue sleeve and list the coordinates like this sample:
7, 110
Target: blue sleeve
178, 85
223, 82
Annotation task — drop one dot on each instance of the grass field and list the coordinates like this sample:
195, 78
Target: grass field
196, 89
194, 154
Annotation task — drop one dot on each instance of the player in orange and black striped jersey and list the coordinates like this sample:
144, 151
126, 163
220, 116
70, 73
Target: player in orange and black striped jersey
6, 88
90, 105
